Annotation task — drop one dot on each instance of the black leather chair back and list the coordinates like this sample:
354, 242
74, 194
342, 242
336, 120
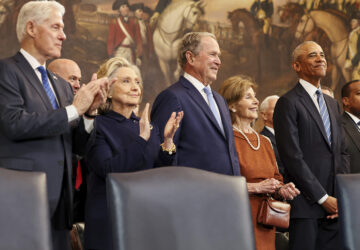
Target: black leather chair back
348, 188
24, 211
179, 208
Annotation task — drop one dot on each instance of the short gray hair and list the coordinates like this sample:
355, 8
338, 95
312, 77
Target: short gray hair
265, 103
191, 42
36, 11
298, 50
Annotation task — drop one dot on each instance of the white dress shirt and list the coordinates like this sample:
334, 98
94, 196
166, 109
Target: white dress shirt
355, 119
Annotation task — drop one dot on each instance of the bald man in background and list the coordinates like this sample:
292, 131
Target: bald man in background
68, 70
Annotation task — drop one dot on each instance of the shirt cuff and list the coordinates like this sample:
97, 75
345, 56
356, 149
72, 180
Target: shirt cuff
323, 199
72, 113
88, 124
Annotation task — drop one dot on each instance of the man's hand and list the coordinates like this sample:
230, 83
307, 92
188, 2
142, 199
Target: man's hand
330, 206
101, 96
92, 95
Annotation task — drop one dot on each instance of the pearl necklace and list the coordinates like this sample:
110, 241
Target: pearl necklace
247, 139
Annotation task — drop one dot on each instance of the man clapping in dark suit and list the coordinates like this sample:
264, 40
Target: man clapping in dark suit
205, 138
309, 139
41, 120
350, 94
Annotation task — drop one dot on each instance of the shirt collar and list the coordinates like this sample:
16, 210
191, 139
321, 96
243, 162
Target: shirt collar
197, 84
120, 117
31, 60
355, 119
309, 88
270, 129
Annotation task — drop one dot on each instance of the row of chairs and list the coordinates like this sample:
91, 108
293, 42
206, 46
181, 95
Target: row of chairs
176, 208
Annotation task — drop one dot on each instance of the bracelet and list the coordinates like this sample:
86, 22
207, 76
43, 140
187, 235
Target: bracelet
89, 116
170, 151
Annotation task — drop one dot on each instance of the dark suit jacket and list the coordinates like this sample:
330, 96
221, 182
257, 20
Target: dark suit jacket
309, 160
115, 147
352, 135
271, 136
34, 137
199, 140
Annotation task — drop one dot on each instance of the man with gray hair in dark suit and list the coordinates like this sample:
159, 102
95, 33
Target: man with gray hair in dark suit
42, 122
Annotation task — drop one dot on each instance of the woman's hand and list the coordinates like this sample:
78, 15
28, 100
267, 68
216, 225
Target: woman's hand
171, 127
144, 124
289, 191
267, 186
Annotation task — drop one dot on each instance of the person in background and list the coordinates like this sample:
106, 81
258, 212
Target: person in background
121, 142
266, 112
311, 146
146, 33
350, 94
42, 122
204, 139
327, 91
69, 70
255, 154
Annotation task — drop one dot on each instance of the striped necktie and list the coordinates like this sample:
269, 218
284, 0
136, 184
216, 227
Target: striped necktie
47, 87
212, 105
324, 114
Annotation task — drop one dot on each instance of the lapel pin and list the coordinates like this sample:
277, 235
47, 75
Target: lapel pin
55, 77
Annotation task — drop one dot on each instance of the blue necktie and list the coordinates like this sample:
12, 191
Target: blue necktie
212, 105
324, 114
47, 88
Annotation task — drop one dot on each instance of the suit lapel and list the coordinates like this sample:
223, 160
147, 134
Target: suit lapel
223, 109
313, 111
32, 78
351, 129
270, 135
58, 88
197, 97
334, 132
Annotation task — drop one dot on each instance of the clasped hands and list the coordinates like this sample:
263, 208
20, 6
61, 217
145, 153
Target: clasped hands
287, 191
91, 95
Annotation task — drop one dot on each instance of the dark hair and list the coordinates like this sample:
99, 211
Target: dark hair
345, 90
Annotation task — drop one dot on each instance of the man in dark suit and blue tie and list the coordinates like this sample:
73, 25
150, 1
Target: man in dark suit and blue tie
350, 94
309, 139
41, 120
205, 138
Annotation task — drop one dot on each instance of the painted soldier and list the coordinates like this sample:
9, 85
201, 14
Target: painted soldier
124, 38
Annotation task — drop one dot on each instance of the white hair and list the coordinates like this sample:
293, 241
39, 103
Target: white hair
265, 103
36, 11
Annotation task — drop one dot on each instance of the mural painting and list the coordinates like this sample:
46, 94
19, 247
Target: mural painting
256, 37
